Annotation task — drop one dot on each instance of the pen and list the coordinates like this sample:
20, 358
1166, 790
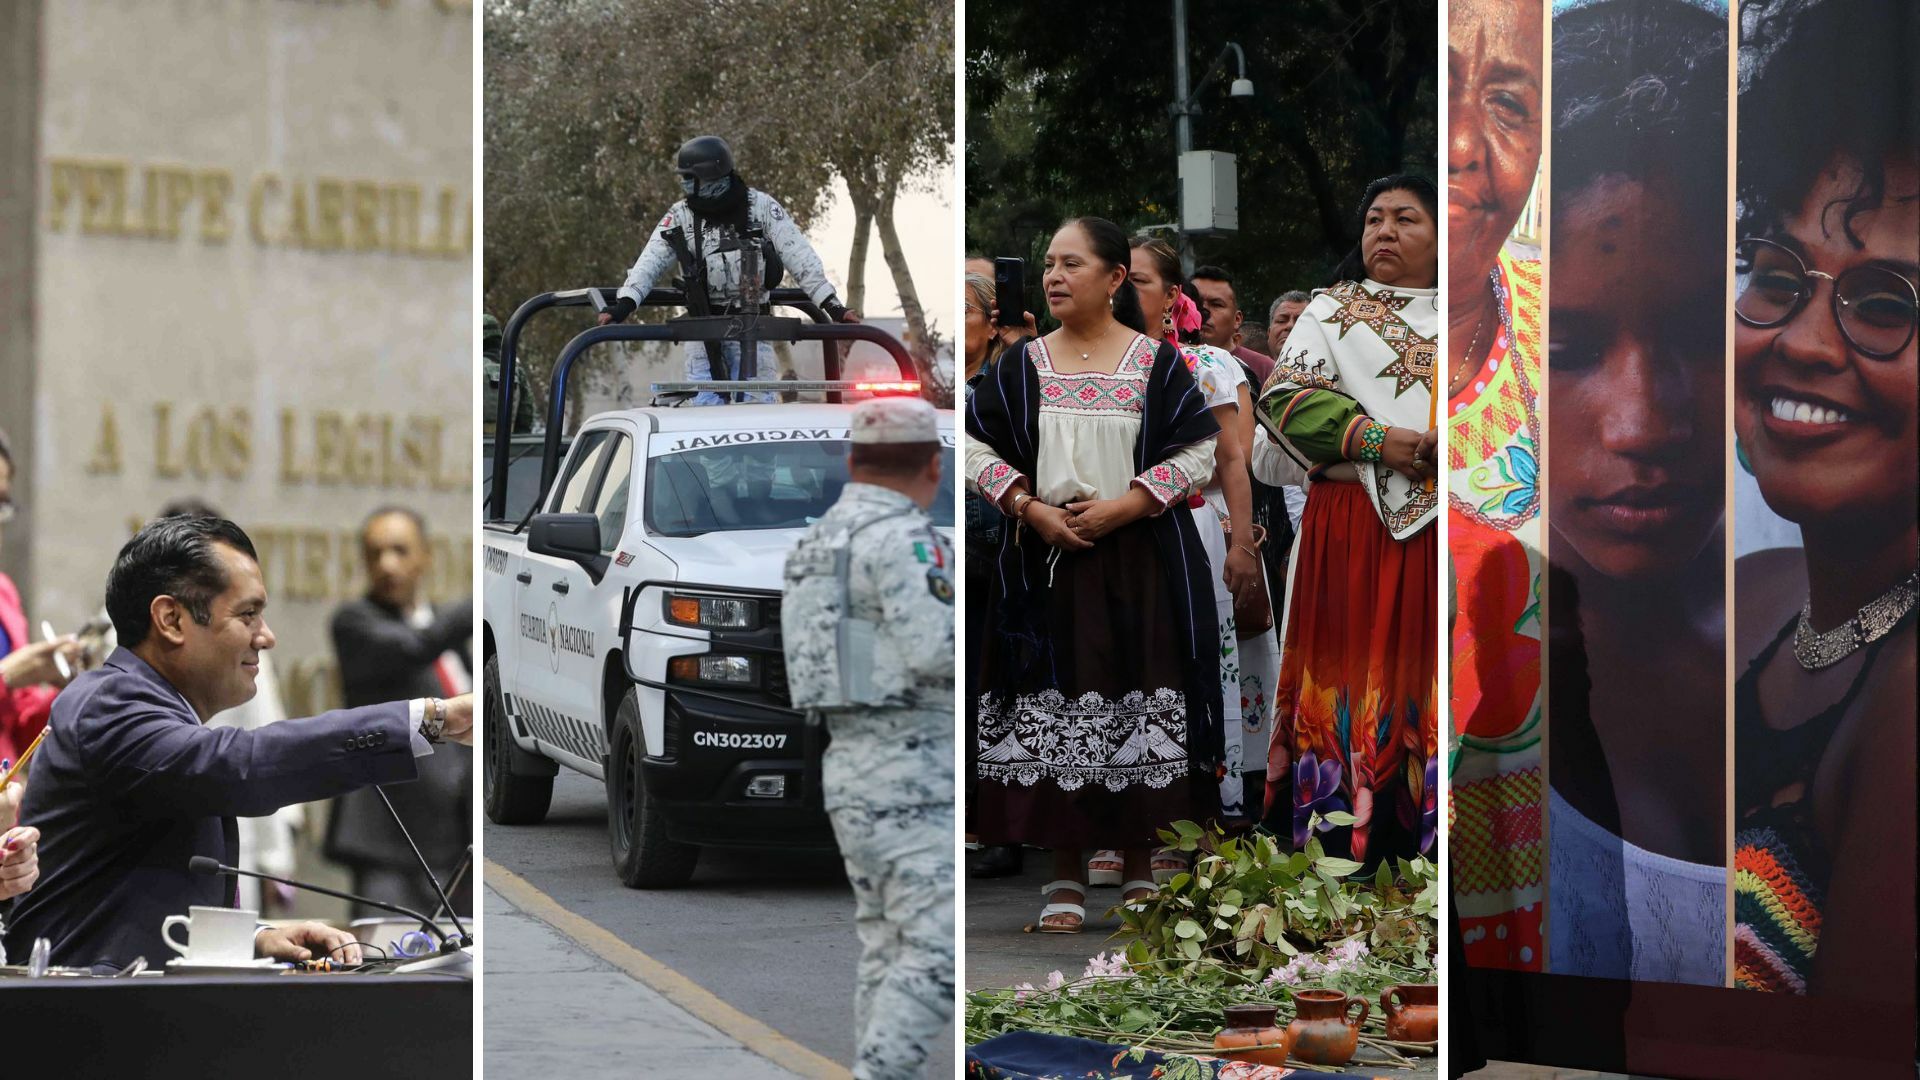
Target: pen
59, 661
22, 763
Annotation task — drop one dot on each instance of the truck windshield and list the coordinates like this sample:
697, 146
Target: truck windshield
759, 485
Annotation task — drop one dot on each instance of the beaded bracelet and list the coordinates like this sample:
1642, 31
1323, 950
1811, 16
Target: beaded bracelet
1373, 439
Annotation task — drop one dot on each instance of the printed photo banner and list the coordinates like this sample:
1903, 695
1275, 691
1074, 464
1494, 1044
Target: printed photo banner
1682, 524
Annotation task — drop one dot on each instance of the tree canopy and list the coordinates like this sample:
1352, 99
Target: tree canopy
586, 102
1068, 114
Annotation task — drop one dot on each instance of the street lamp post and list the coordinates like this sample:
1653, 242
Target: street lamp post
1186, 105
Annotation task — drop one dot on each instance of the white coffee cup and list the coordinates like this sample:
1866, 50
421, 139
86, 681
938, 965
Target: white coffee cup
215, 935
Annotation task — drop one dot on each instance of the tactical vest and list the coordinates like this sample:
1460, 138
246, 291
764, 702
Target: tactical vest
845, 679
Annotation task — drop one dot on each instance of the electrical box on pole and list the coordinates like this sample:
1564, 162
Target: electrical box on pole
1209, 193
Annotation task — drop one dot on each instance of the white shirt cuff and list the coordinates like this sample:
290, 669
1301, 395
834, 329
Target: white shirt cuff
417, 712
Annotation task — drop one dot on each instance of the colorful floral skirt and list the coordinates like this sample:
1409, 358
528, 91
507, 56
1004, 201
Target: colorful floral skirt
1088, 748
1355, 728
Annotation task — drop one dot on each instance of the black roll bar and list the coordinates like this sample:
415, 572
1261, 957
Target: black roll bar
767, 329
510, 344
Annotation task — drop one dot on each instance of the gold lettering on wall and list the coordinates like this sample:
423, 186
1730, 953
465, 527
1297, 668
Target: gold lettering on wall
380, 451
209, 442
106, 444
159, 201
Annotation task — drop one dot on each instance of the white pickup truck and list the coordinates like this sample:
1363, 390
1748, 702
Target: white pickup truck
632, 630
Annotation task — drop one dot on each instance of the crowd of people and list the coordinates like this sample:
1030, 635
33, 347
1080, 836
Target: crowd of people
1202, 577
165, 710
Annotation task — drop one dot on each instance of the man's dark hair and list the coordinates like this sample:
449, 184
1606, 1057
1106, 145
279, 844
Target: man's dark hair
408, 512
1819, 81
898, 459
172, 556
1639, 88
1215, 273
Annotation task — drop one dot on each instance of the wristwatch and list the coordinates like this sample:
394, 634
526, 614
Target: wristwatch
433, 720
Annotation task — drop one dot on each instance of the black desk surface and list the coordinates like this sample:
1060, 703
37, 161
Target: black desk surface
211, 1026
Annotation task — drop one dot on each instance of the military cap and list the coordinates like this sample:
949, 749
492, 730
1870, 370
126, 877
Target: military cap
895, 420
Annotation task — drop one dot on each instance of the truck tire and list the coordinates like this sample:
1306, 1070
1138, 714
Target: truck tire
643, 855
511, 798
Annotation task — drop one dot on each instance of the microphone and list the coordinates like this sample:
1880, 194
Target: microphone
201, 864
466, 863
415, 848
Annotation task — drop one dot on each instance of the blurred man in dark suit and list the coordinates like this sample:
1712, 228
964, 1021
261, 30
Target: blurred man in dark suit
131, 783
393, 644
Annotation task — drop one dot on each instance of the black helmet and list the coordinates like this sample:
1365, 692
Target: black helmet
704, 157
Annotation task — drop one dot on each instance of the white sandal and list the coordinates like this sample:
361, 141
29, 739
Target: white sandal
1164, 874
1141, 903
1078, 911
1111, 876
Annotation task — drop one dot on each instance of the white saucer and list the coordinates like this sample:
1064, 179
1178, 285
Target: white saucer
185, 966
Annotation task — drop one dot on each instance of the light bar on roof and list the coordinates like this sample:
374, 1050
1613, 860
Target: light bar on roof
776, 386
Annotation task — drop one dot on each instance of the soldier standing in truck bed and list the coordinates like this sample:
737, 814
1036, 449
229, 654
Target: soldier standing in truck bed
867, 622
714, 235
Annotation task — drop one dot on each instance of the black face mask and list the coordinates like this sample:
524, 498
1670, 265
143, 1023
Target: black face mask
728, 208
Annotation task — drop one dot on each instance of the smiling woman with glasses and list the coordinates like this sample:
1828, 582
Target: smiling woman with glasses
1827, 403
1873, 305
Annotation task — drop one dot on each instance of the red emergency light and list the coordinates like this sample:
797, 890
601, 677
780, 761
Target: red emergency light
889, 389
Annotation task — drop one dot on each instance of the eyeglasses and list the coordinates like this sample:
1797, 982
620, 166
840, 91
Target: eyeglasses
1875, 308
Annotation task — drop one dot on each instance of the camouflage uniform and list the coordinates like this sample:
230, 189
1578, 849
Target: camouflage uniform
717, 242
888, 774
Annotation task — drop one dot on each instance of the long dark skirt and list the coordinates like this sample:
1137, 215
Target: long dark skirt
1089, 750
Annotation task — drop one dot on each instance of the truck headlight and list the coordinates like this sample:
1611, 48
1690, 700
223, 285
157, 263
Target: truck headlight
712, 612
715, 670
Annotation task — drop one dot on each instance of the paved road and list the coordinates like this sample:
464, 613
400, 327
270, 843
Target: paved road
769, 933
574, 1013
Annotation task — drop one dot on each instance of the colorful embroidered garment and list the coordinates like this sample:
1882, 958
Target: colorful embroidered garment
1498, 859
1103, 667
1360, 358
1355, 725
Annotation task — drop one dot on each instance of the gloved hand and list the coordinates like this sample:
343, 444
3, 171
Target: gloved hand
619, 311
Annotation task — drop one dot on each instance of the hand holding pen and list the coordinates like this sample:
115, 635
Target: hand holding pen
19, 846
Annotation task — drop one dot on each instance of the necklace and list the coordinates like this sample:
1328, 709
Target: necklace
1087, 357
1875, 620
1478, 329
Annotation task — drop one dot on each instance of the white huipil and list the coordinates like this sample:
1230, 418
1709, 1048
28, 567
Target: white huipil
1089, 424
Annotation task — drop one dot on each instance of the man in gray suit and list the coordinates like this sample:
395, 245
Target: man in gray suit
391, 644
131, 784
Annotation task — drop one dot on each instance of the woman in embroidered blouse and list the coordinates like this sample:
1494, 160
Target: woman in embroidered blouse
1636, 380
1826, 370
1495, 104
1355, 727
1099, 709
1351, 402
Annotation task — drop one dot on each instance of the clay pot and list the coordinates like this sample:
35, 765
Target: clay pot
1416, 1017
1252, 1025
1321, 1032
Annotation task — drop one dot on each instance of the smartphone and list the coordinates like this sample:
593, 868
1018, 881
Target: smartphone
1010, 292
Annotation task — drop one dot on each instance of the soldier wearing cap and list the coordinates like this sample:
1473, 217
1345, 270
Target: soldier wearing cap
705, 234
867, 619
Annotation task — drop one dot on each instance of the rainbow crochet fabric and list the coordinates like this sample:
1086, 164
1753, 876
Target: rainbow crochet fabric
1777, 914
